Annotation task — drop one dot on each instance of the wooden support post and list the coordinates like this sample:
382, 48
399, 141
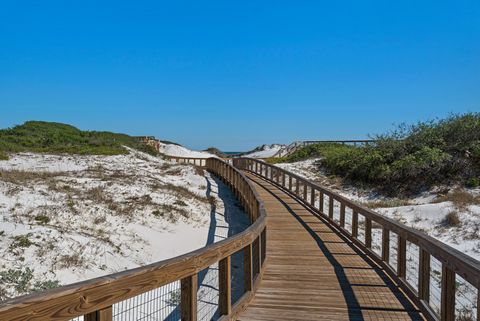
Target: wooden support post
100, 315
386, 245
305, 190
342, 214
225, 286
321, 202
368, 232
248, 267
424, 275
401, 257
297, 186
283, 179
312, 196
330, 207
354, 224
447, 306
289, 183
188, 297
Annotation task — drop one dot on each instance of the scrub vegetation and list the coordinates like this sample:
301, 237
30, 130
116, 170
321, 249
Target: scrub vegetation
57, 138
409, 159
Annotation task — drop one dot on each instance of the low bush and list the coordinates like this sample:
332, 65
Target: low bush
48, 137
408, 159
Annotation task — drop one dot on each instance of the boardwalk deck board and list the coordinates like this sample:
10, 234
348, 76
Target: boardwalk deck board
312, 273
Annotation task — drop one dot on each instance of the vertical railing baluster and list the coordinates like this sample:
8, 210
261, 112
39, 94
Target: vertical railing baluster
401, 256
312, 196
305, 190
104, 314
330, 206
248, 267
368, 232
386, 245
321, 202
188, 298
342, 215
424, 276
447, 306
354, 224
225, 286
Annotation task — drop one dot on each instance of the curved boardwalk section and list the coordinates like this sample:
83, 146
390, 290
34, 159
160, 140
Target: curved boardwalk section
312, 273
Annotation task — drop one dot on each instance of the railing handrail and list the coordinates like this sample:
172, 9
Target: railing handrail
92, 295
455, 261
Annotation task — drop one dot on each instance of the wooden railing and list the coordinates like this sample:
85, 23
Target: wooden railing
94, 298
413, 266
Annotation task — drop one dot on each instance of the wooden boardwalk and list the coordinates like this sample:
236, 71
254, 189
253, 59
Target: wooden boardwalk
313, 273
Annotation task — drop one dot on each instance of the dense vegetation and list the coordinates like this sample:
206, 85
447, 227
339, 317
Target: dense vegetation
410, 158
47, 137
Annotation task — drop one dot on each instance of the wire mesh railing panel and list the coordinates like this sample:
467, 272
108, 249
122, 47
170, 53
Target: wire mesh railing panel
207, 294
412, 256
348, 219
465, 300
377, 234
393, 250
162, 303
435, 284
336, 211
238, 275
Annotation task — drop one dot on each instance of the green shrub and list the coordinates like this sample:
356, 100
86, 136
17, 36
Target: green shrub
3, 155
473, 182
407, 159
48, 137
42, 219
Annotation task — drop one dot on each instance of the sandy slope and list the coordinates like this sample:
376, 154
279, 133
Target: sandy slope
70, 218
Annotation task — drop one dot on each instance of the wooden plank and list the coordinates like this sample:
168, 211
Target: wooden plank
104, 314
225, 286
188, 305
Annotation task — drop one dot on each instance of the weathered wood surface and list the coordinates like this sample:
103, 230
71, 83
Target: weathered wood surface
312, 273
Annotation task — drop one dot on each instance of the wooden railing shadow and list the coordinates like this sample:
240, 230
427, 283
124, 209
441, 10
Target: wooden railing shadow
94, 299
353, 306
456, 268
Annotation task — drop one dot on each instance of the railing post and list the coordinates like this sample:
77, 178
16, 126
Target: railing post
354, 224
297, 187
100, 315
342, 215
248, 267
188, 297
368, 232
225, 286
289, 183
321, 202
401, 257
386, 245
448, 294
312, 196
424, 276
305, 190
330, 206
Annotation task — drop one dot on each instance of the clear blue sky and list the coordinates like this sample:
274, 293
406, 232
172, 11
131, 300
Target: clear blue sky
235, 74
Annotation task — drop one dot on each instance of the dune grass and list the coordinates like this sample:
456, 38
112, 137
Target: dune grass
48, 137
